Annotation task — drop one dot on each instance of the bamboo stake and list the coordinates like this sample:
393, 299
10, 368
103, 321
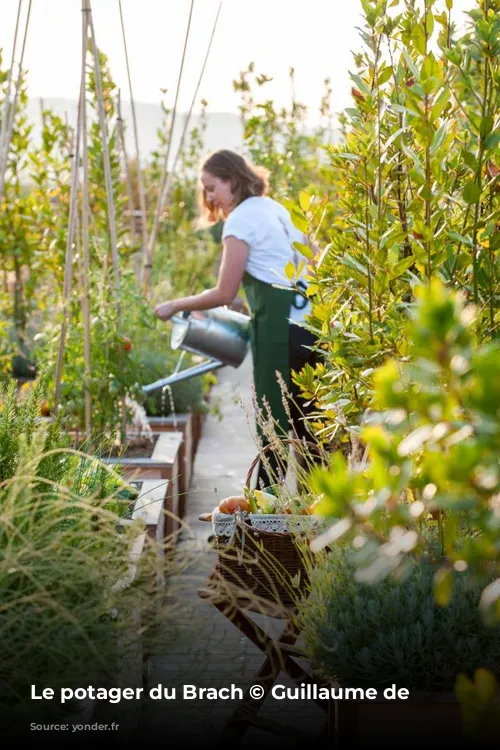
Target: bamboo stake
140, 182
12, 112
6, 103
171, 174
85, 234
128, 176
105, 153
148, 255
68, 267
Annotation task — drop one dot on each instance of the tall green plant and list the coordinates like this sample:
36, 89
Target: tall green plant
416, 182
432, 444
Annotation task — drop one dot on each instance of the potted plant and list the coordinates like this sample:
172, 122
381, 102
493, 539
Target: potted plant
426, 495
393, 633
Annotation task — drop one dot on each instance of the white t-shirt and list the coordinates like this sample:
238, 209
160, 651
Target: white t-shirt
267, 229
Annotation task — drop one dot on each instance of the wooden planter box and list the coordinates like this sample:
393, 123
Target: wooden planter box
162, 465
181, 423
422, 716
198, 420
149, 507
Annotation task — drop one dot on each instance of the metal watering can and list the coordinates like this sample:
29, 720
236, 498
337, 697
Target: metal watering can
220, 334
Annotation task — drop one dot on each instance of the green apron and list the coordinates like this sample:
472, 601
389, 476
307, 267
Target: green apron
270, 311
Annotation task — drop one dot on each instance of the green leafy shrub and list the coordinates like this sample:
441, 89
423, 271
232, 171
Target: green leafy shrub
414, 195
431, 444
20, 426
393, 631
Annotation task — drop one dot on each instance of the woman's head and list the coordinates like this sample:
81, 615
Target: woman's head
227, 179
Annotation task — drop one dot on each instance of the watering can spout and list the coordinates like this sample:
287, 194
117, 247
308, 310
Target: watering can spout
190, 372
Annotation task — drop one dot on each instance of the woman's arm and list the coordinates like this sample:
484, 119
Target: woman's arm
232, 268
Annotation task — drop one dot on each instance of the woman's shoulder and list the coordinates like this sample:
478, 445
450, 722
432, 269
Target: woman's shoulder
261, 203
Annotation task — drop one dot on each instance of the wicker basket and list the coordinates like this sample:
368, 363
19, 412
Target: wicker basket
268, 565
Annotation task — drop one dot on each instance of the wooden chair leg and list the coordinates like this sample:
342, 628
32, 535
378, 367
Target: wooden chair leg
276, 660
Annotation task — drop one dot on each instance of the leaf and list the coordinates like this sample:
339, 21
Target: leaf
429, 23
351, 262
304, 250
489, 604
492, 140
471, 192
395, 135
430, 67
353, 157
418, 38
460, 238
486, 684
414, 440
402, 266
290, 270
486, 125
299, 222
464, 688
440, 104
384, 76
471, 161
305, 200
411, 65
439, 137
443, 586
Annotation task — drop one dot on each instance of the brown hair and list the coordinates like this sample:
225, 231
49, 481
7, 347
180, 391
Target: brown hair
246, 179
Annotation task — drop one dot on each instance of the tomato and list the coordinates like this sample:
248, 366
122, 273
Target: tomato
124, 344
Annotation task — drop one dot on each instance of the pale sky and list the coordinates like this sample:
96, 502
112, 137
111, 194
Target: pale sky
317, 37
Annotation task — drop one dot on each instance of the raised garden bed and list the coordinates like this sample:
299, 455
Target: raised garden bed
181, 423
197, 429
160, 461
149, 507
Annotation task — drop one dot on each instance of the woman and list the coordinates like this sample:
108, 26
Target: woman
257, 245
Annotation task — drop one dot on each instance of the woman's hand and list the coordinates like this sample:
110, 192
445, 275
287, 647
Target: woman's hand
165, 310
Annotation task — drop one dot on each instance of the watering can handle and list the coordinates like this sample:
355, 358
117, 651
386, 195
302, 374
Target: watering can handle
179, 318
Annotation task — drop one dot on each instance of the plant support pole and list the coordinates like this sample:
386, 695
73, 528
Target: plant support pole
68, 266
148, 255
6, 104
85, 232
128, 176
105, 152
12, 112
168, 184
140, 182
